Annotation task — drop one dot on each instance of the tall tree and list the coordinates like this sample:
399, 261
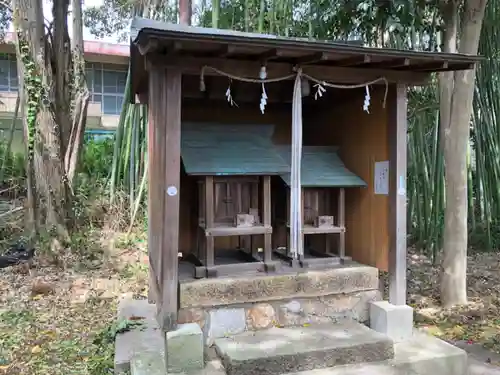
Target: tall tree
457, 92
185, 12
54, 101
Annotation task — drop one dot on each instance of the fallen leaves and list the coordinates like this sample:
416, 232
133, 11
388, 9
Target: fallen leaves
43, 330
476, 322
40, 287
36, 349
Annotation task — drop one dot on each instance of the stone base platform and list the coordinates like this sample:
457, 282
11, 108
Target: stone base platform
420, 355
231, 305
347, 278
276, 351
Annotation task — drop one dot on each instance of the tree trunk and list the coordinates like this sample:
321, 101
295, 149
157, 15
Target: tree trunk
215, 13
185, 12
50, 190
454, 265
81, 96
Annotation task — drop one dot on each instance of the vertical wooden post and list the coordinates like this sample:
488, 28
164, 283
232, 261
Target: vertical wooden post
302, 220
209, 222
296, 240
164, 115
397, 127
341, 221
254, 203
142, 98
266, 219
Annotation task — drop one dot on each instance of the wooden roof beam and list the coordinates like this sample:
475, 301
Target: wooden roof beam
151, 45
440, 66
269, 55
352, 61
246, 68
312, 58
225, 51
388, 64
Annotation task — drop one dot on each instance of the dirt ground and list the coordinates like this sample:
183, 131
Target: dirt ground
476, 324
57, 316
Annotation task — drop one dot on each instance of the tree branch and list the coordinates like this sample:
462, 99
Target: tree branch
3, 3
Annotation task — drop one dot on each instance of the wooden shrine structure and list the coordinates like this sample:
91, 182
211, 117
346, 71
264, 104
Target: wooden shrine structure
233, 166
324, 179
183, 74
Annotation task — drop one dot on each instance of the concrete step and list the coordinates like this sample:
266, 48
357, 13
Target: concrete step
421, 355
280, 350
153, 363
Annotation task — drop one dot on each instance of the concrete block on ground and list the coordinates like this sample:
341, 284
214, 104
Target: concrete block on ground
185, 348
149, 363
280, 350
145, 338
224, 322
419, 355
394, 321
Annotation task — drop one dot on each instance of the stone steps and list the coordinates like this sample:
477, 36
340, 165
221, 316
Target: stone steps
346, 348
276, 351
420, 355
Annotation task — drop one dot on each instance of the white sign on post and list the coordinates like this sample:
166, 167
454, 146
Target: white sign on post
381, 186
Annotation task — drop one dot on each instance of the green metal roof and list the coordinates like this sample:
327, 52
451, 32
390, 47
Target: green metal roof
225, 149
321, 167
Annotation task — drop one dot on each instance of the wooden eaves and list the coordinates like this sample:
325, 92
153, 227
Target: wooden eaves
343, 62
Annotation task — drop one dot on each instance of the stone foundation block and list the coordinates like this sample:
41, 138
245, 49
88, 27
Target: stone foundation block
223, 323
394, 321
184, 348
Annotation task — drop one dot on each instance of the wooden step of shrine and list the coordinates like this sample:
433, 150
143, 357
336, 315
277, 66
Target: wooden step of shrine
281, 350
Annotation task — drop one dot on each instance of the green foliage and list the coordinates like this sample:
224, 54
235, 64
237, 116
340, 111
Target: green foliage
113, 16
33, 90
96, 158
14, 167
5, 17
101, 360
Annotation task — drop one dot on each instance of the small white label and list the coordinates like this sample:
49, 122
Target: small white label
401, 189
381, 183
172, 191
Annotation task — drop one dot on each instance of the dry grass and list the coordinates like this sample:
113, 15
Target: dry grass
476, 323
58, 316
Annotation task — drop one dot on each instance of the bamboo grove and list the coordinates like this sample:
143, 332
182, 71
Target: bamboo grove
402, 24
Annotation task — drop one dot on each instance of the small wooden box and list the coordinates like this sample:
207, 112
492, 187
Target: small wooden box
244, 220
323, 221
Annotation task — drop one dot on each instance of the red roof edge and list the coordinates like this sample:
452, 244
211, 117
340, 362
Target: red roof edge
94, 47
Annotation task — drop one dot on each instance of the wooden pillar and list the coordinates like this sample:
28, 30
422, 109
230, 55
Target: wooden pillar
341, 222
296, 242
266, 218
142, 98
397, 127
164, 132
209, 223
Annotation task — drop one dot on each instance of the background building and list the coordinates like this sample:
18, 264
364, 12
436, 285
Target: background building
107, 66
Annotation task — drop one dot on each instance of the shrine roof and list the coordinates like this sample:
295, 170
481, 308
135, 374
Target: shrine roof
230, 150
321, 167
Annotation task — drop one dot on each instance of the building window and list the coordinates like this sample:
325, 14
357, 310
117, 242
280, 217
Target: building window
106, 82
107, 86
8, 73
99, 134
